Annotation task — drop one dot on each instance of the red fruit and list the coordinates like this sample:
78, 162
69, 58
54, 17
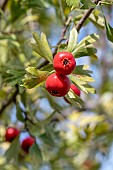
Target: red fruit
11, 133
27, 143
57, 84
64, 63
75, 89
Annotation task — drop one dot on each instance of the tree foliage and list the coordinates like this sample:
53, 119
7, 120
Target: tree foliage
70, 131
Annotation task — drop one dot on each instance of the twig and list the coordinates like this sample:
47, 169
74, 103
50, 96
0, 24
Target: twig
85, 16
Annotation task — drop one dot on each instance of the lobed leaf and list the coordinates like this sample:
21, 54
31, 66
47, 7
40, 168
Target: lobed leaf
42, 47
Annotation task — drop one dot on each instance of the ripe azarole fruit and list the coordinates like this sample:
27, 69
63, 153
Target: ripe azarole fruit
64, 63
57, 84
75, 89
11, 133
27, 143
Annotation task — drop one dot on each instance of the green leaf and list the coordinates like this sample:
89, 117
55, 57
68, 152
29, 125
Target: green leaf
34, 77
62, 47
85, 47
13, 80
85, 78
98, 21
87, 4
13, 151
88, 40
48, 67
42, 47
50, 134
36, 156
72, 2
90, 89
81, 82
82, 70
73, 37
30, 81
109, 30
12, 77
108, 2
35, 72
19, 112
89, 51
74, 99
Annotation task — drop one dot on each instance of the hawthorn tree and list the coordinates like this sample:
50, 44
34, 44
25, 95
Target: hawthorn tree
51, 116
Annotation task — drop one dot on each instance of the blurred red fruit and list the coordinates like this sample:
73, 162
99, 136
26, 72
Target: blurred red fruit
27, 143
11, 133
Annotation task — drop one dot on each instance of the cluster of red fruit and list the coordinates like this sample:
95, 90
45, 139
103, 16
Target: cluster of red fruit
58, 84
12, 133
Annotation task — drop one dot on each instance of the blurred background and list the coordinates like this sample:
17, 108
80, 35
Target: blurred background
68, 137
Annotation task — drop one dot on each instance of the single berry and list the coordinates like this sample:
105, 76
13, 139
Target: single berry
57, 84
64, 63
27, 143
11, 133
75, 89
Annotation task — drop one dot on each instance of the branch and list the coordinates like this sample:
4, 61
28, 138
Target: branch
10, 100
85, 16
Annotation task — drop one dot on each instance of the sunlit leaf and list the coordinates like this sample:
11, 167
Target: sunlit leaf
98, 21
73, 37
85, 47
81, 82
42, 46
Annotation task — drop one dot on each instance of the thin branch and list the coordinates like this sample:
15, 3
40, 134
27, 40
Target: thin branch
63, 34
85, 16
